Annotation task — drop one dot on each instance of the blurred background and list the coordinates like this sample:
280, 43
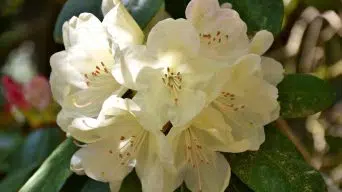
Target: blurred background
310, 42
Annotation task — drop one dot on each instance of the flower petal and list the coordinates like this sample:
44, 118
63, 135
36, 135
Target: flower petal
190, 103
261, 42
88, 102
212, 130
61, 68
86, 30
225, 43
210, 177
106, 6
115, 118
122, 27
197, 9
129, 66
173, 35
101, 161
150, 168
273, 70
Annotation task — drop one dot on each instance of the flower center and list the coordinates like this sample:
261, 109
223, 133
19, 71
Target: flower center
227, 102
173, 81
100, 72
129, 147
214, 39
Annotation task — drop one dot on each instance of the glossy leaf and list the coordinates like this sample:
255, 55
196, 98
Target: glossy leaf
277, 166
54, 171
302, 95
36, 148
143, 10
33, 151
236, 185
258, 14
9, 141
14, 180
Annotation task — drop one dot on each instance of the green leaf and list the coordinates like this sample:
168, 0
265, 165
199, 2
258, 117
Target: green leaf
131, 183
14, 180
36, 148
258, 14
141, 10
95, 186
236, 185
301, 95
54, 171
9, 141
277, 166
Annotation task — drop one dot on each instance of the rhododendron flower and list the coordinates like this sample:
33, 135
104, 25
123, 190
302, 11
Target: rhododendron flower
37, 92
81, 78
116, 142
14, 93
222, 33
166, 73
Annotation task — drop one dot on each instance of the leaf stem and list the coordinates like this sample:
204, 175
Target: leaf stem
282, 125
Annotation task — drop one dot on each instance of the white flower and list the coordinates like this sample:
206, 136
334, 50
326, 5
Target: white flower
222, 33
116, 142
166, 72
81, 75
195, 149
247, 100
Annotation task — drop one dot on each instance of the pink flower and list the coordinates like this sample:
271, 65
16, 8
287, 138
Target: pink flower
14, 93
37, 92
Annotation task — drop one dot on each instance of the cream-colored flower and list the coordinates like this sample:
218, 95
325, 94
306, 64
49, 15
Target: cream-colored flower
196, 153
166, 72
247, 98
81, 76
116, 142
222, 33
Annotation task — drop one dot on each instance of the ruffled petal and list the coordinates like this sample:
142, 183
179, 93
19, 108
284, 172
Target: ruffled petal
273, 71
197, 9
225, 42
132, 64
85, 30
60, 67
172, 35
115, 119
261, 42
122, 27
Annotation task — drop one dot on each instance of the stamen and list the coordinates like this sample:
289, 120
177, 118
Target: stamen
174, 82
194, 153
130, 147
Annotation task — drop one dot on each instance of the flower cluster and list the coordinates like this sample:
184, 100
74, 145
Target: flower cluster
166, 106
